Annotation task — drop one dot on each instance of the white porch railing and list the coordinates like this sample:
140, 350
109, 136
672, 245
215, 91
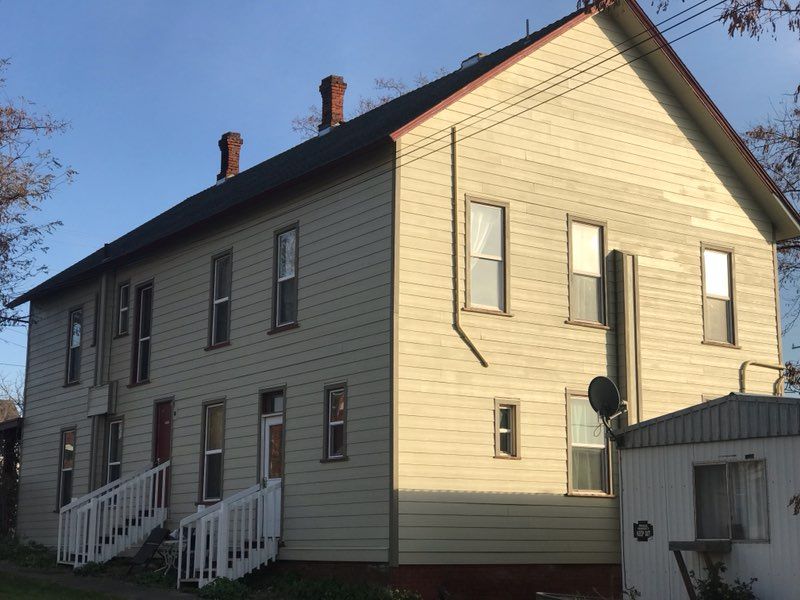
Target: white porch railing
100, 525
231, 538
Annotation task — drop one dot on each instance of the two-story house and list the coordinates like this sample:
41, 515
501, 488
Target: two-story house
374, 348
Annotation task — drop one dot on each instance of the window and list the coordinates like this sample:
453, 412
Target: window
335, 417
586, 272
589, 452
66, 466
285, 292
487, 259
142, 345
74, 345
220, 317
506, 416
272, 402
213, 438
731, 501
114, 466
718, 296
123, 308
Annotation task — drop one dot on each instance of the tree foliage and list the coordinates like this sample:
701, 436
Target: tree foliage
29, 174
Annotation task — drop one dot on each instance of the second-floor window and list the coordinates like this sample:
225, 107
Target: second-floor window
123, 308
487, 256
506, 417
220, 318
74, 334
285, 289
718, 308
114, 466
586, 272
143, 331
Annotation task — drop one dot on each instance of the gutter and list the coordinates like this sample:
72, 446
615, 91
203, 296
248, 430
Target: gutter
456, 263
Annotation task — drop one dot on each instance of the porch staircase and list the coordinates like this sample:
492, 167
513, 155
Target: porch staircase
231, 538
110, 520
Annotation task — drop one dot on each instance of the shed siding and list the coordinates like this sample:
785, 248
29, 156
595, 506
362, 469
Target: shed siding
658, 487
344, 316
622, 150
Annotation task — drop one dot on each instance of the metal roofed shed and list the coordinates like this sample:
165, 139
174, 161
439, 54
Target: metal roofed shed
714, 482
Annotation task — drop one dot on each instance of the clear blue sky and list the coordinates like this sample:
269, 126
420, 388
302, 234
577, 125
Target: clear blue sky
148, 86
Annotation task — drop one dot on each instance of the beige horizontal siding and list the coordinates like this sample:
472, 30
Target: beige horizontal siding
344, 299
622, 150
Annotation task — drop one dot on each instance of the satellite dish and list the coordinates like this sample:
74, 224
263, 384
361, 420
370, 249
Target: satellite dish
604, 397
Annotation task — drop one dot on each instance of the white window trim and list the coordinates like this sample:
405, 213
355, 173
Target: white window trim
502, 258
279, 279
141, 339
63, 469
339, 423
212, 452
219, 301
123, 313
109, 462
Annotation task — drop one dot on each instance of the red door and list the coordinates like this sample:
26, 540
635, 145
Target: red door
163, 446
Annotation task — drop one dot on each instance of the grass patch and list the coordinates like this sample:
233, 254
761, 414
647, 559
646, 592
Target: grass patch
294, 587
17, 586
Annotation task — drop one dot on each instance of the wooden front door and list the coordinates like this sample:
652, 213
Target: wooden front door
272, 447
162, 445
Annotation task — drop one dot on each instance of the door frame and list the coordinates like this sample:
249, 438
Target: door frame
259, 432
267, 420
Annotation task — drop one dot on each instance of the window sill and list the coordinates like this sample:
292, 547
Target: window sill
721, 344
486, 311
507, 457
281, 328
589, 324
138, 383
579, 494
334, 460
71, 384
216, 346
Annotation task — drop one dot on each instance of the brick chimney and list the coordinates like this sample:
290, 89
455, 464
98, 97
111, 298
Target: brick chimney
332, 89
229, 144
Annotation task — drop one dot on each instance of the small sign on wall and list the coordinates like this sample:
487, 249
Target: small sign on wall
642, 531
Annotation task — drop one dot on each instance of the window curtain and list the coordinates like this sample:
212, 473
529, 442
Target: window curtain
748, 501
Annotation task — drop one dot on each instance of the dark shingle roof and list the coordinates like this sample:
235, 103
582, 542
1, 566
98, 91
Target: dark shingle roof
362, 133
732, 417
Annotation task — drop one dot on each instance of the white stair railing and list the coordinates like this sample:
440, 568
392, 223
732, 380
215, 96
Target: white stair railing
231, 538
100, 525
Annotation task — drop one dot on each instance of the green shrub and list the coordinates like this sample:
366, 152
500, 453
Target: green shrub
713, 587
225, 589
26, 554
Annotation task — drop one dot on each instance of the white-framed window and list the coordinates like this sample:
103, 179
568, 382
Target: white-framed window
123, 308
586, 272
114, 458
731, 501
74, 333
221, 300
487, 256
66, 467
144, 323
506, 428
335, 422
589, 456
285, 292
718, 296
213, 441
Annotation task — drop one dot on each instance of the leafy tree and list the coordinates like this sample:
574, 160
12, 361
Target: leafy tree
29, 174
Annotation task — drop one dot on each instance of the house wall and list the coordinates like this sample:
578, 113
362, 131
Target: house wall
344, 317
658, 487
621, 150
